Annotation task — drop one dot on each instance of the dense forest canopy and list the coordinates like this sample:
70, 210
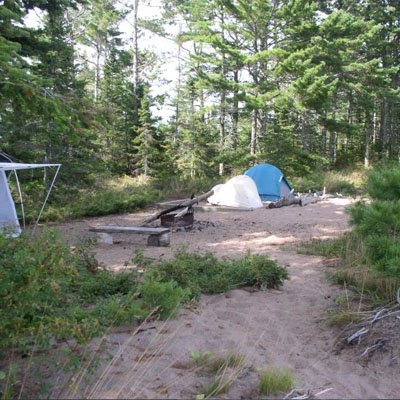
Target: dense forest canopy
298, 83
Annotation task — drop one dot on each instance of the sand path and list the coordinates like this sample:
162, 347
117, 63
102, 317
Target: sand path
274, 328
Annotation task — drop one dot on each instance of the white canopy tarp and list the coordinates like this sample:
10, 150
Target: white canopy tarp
240, 191
9, 222
7, 166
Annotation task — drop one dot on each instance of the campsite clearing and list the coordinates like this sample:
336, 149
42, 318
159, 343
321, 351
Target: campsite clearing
273, 328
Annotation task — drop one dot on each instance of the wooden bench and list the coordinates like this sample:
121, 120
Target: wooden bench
157, 236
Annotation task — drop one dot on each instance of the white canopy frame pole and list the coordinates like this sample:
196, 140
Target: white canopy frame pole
47, 197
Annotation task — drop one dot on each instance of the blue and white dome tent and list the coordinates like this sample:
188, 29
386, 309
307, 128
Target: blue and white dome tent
270, 181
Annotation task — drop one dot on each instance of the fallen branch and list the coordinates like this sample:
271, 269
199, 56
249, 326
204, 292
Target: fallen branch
185, 204
356, 335
304, 200
287, 200
183, 212
378, 343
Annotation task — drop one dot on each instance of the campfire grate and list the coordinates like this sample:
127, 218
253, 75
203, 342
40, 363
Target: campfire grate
168, 220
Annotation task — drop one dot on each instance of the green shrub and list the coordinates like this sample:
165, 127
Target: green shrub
384, 184
379, 222
380, 217
207, 274
48, 290
379, 226
166, 297
384, 253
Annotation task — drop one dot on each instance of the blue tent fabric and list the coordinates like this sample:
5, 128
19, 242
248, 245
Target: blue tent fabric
270, 181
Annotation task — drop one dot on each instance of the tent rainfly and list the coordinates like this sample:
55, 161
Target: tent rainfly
270, 181
8, 216
240, 191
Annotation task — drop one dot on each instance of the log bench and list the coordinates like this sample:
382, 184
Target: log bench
157, 236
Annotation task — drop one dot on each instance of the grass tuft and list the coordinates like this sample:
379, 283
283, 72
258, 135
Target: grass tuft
275, 381
325, 248
342, 318
231, 360
216, 387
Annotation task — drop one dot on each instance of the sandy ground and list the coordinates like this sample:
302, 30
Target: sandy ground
274, 328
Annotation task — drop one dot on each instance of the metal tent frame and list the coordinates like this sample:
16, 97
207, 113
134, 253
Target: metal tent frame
13, 168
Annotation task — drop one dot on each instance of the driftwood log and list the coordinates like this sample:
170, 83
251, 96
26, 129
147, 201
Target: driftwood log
186, 204
287, 200
302, 200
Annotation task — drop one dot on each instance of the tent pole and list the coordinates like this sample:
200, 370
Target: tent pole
45, 200
20, 198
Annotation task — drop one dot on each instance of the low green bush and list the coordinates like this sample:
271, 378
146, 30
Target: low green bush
379, 226
48, 290
378, 218
204, 273
384, 183
371, 252
166, 297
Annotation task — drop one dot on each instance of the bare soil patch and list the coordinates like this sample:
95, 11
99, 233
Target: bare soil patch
281, 328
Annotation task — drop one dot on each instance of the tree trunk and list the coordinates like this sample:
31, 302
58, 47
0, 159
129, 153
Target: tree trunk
383, 129
135, 67
97, 75
235, 111
222, 130
176, 133
368, 128
332, 142
222, 106
254, 132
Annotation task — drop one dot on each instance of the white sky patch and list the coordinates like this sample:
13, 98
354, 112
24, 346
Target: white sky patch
34, 18
165, 49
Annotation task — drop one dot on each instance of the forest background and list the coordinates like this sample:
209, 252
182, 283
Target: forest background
305, 85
